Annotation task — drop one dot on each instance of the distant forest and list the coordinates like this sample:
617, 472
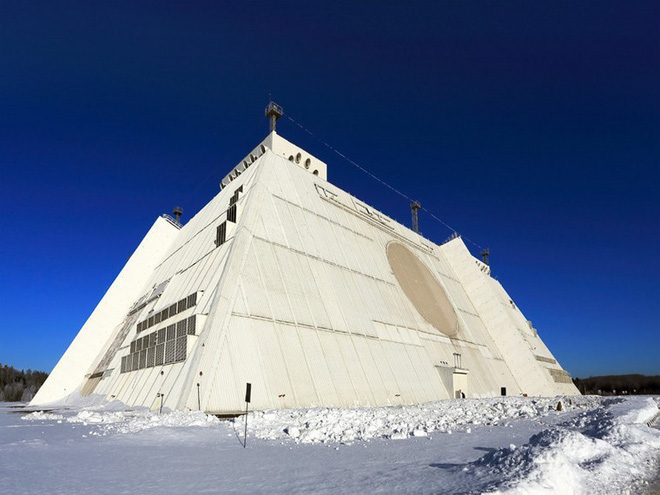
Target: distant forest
19, 385
618, 385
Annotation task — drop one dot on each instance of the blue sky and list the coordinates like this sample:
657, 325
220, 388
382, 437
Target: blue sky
531, 128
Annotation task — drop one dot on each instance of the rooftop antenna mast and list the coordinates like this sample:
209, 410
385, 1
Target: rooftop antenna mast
484, 255
178, 211
414, 207
273, 112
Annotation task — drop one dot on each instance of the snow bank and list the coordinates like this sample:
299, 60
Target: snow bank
348, 425
42, 416
600, 451
593, 446
124, 422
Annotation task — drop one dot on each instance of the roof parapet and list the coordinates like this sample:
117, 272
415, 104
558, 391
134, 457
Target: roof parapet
281, 147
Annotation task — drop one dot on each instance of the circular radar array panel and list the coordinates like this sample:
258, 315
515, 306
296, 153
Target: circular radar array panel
422, 288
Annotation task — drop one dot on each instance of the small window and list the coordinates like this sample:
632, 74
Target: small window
172, 310
181, 305
290, 158
221, 234
231, 214
157, 318
298, 157
308, 162
151, 321
316, 172
192, 299
262, 148
192, 324
161, 336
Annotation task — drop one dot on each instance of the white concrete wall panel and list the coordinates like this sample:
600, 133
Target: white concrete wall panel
68, 374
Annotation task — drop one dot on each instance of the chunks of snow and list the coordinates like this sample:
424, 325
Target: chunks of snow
348, 425
515, 445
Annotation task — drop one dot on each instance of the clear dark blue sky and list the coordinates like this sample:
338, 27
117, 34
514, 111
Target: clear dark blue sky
532, 128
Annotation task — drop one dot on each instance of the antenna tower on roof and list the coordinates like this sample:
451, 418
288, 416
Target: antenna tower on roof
414, 206
273, 112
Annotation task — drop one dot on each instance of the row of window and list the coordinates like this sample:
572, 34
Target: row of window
165, 346
221, 231
169, 312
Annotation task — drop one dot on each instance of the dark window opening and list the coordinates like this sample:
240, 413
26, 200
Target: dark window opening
231, 214
221, 234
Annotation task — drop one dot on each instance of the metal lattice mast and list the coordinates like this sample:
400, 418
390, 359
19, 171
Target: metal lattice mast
414, 207
273, 112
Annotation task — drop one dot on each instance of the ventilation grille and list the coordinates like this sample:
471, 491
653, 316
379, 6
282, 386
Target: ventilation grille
221, 234
165, 346
560, 376
178, 307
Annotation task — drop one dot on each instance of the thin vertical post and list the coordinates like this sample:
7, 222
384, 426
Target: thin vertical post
245, 433
414, 206
248, 394
199, 401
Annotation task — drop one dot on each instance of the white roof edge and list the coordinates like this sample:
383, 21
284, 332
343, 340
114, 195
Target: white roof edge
281, 147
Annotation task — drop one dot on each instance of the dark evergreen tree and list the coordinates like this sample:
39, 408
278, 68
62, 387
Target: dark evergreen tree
19, 385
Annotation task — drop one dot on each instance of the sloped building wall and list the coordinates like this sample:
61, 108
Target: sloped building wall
68, 374
286, 282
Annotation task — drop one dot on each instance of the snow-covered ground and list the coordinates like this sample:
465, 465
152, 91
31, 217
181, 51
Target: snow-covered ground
501, 445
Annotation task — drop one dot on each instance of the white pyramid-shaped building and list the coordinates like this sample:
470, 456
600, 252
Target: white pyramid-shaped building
314, 297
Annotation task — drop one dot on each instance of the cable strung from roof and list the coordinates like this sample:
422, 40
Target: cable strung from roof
370, 174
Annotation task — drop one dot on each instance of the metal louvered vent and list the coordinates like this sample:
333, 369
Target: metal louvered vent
150, 357
171, 332
181, 349
160, 354
231, 214
181, 328
163, 346
221, 234
170, 351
